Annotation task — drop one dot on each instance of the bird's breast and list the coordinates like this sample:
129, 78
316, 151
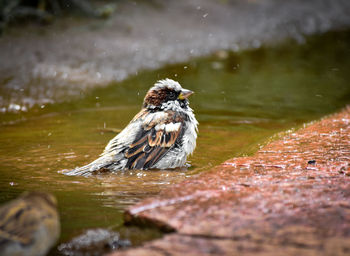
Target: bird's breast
190, 135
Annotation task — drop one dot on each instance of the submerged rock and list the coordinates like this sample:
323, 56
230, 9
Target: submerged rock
93, 242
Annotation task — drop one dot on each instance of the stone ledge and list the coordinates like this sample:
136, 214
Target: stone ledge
176, 244
291, 197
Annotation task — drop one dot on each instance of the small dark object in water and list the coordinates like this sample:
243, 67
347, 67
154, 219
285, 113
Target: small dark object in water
311, 162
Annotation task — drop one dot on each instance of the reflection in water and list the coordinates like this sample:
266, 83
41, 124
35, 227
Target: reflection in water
240, 100
133, 185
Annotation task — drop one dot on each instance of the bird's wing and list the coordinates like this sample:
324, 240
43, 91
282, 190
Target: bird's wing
19, 221
158, 133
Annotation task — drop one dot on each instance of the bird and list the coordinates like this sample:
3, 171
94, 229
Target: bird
160, 136
29, 225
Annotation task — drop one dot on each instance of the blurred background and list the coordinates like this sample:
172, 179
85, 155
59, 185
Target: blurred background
72, 72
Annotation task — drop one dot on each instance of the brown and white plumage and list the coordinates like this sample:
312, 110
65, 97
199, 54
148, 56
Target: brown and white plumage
29, 225
160, 136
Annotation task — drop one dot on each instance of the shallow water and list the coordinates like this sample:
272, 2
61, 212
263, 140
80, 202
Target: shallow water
240, 100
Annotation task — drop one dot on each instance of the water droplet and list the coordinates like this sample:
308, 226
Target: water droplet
216, 65
205, 15
256, 43
14, 107
222, 54
235, 47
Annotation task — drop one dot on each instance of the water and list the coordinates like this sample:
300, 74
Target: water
241, 99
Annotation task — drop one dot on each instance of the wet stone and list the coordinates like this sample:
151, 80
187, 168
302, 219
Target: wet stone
93, 242
176, 244
292, 197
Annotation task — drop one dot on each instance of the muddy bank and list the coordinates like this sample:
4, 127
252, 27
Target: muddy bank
56, 63
291, 197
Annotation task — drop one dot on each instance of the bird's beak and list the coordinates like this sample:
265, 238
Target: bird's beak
185, 94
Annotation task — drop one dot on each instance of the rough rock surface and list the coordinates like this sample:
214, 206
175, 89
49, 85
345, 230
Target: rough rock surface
292, 197
55, 63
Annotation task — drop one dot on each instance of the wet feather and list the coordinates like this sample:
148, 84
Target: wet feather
160, 136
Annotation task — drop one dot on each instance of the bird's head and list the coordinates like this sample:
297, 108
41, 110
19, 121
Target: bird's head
166, 92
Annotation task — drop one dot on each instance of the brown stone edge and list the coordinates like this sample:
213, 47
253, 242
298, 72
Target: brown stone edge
144, 221
134, 219
154, 247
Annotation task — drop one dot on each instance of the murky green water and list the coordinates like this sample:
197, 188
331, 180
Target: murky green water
241, 100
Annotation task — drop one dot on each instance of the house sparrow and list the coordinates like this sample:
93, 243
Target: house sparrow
160, 136
29, 225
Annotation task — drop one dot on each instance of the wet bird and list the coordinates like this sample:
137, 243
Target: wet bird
29, 225
160, 136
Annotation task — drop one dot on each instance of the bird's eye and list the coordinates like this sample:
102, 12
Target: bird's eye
172, 95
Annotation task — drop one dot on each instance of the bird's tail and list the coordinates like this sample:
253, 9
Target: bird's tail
99, 165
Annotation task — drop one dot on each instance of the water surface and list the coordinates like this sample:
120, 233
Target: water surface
241, 99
